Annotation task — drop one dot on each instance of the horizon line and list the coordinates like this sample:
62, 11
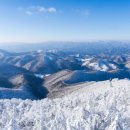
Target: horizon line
57, 41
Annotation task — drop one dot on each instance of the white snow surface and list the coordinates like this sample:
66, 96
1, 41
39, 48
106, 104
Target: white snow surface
98, 65
100, 106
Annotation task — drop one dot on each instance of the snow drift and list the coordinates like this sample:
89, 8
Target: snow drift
100, 106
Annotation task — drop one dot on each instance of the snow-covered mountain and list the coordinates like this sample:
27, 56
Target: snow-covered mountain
17, 82
52, 61
99, 106
80, 87
60, 70
100, 64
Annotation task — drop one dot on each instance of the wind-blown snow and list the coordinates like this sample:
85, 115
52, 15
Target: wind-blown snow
100, 106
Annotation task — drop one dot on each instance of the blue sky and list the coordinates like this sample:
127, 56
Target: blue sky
64, 20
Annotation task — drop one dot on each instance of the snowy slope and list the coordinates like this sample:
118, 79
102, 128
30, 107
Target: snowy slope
96, 64
100, 106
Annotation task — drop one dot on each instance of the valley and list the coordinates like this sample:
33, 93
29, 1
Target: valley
56, 72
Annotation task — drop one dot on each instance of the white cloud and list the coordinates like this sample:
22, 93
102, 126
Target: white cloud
52, 10
28, 12
41, 9
38, 10
83, 12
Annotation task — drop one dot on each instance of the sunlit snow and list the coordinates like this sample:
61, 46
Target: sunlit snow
99, 106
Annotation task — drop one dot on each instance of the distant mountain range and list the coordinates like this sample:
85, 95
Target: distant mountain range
57, 69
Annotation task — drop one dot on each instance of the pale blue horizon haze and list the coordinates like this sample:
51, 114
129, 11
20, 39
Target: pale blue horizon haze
64, 20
